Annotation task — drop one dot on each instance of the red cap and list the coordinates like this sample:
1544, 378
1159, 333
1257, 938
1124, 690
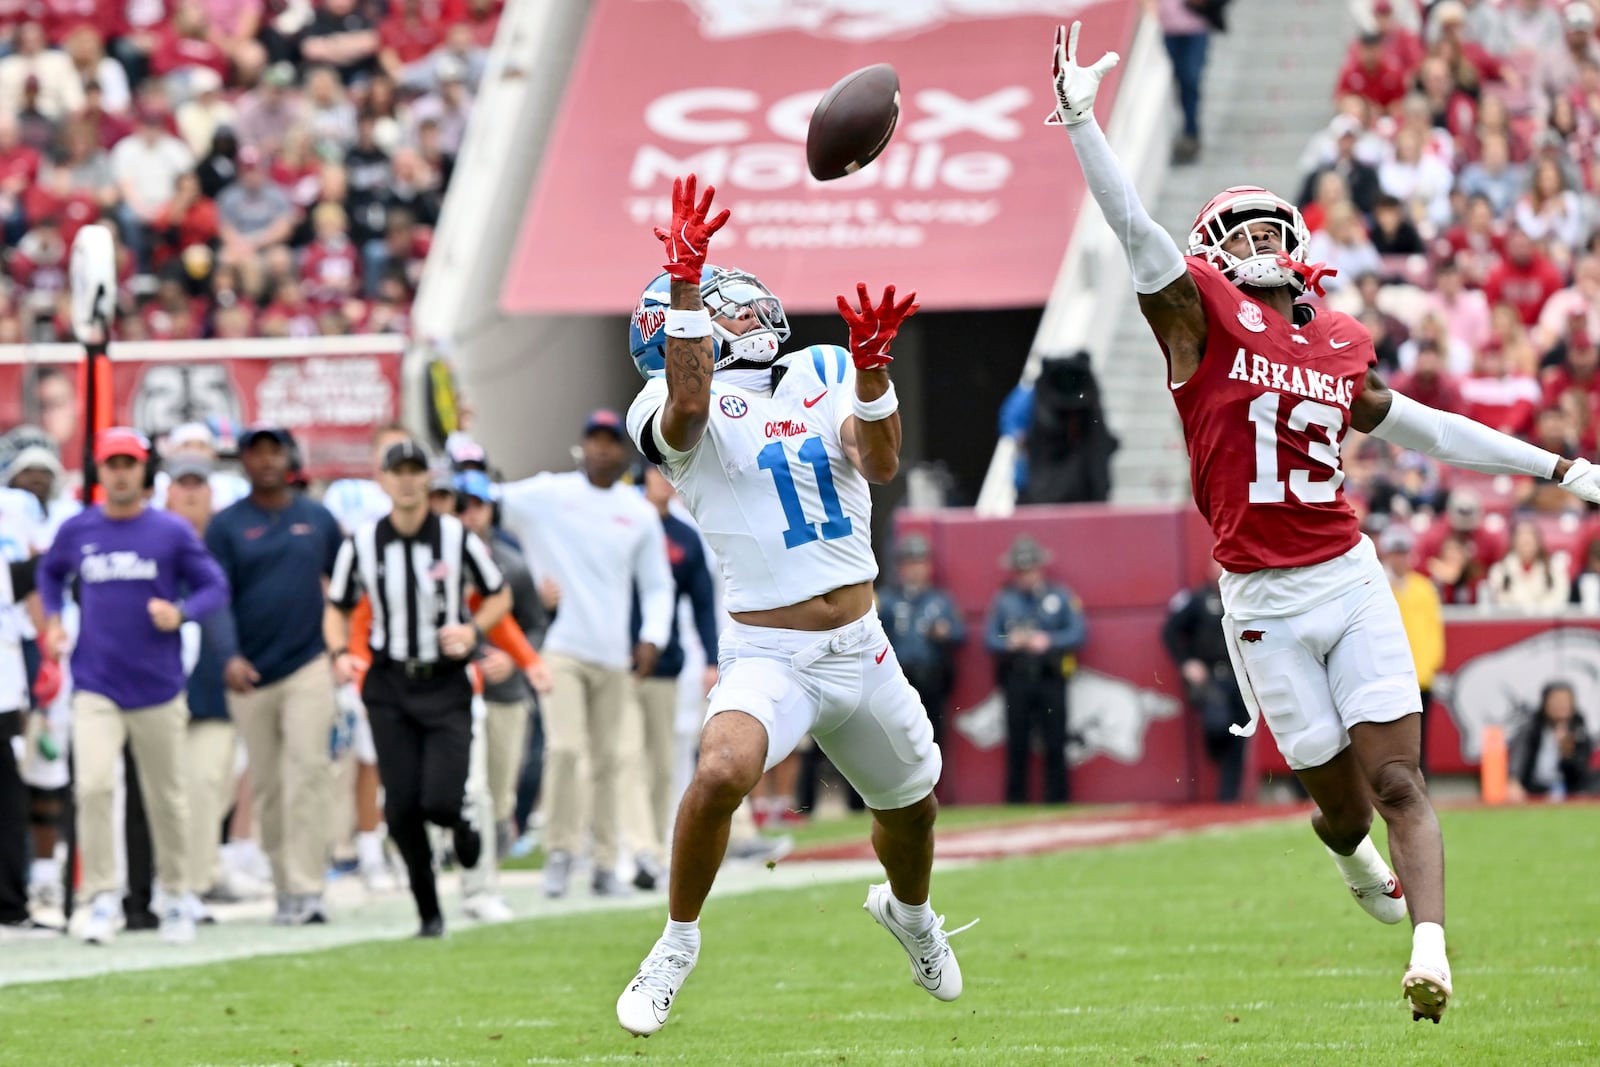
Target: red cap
120, 441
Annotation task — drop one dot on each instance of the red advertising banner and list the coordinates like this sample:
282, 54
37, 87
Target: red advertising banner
971, 204
329, 393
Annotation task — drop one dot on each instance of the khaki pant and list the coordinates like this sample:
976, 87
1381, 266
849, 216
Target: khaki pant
208, 762
583, 721
507, 728
647, 750
286, 728
100, 729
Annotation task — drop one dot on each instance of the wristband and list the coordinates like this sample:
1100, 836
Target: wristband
335, 653
879, 409
690, 324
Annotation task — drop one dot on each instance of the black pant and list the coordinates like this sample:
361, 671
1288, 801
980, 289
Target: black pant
1036, 701
14, 837
932, 683
1422, 751
422, 729
532, 774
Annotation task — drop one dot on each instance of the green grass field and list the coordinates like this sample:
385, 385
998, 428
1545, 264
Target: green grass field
1230, 947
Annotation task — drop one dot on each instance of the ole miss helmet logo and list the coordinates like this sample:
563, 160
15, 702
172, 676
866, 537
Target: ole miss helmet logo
1250, 316
648, 319
733, 406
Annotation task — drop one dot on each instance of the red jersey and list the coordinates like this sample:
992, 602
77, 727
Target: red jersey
1264, 417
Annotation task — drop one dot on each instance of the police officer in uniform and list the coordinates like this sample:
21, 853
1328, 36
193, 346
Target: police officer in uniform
1035, 629
923, 626
1194, 639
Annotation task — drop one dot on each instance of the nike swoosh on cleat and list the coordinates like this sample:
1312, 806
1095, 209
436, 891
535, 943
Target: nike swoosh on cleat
815, 400
879, 657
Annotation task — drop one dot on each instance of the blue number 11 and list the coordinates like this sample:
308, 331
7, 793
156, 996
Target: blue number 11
800, 532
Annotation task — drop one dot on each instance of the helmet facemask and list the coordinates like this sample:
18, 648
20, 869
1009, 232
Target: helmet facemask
727, 295
1263, 270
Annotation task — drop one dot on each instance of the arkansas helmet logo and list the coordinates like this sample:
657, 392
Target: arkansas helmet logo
1250, 316
1498, 688
1109, 718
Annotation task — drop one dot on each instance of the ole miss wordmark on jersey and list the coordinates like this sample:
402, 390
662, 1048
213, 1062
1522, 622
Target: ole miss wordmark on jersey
786, 513
1264, 418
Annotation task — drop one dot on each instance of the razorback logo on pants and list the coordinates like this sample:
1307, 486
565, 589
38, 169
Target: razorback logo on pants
1251, 636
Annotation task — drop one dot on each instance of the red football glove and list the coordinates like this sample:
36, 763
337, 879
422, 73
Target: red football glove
47, 682
689, 237
872, 328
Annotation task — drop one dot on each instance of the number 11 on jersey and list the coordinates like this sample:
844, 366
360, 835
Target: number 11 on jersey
800, 532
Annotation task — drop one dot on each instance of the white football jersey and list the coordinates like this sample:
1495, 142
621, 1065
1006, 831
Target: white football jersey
356, 502
786, 514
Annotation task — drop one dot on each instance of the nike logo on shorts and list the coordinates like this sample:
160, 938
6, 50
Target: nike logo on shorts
814, 401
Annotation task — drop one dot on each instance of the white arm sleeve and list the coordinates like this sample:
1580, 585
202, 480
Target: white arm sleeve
1153, 256
1460, 441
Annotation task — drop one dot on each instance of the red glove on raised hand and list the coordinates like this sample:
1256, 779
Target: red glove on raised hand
872, 328
689, 236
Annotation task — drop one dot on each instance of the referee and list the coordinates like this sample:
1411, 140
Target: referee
414, 566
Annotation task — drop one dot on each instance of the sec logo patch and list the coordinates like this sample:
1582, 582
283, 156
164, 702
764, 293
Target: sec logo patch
734, 406
1250, 317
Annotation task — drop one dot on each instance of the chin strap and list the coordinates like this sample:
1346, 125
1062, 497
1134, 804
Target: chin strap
1311, 274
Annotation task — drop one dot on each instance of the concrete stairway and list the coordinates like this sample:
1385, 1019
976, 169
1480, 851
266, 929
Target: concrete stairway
1268, 87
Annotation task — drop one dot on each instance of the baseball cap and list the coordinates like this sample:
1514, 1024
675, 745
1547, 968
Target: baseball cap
603, 419
1578, 16
464, 450
440, 480
1024, 554
255, 433
120, 441
913, 547
191, 433
403, 452
1396, 537
34, 457
475, 484
181, 467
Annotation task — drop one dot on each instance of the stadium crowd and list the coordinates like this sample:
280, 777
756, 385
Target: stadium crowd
1456, 189
270, 168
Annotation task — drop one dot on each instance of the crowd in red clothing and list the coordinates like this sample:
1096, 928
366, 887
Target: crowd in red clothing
1457, 191
269, 167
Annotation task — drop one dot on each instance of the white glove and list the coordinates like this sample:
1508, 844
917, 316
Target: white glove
1583, 481
1075, 85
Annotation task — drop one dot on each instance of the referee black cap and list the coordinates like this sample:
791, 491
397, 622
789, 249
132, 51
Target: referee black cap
403, 452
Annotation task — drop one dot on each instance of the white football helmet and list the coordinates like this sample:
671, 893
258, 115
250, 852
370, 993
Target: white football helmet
1226, 215
726, 293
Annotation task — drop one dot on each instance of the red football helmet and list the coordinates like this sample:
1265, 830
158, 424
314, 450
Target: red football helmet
1226, 215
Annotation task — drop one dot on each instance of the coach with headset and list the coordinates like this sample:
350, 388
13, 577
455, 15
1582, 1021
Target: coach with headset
414, 567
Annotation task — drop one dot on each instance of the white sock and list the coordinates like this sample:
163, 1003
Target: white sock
1364, 866
683, 936
369, 848
914, 917
1427, 945
43, 872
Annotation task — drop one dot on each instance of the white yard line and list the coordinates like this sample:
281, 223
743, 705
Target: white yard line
244, 931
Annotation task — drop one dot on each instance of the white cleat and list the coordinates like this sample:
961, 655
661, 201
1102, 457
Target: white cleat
177, 924
643, 1007
487, 908
1428, 989
100, 927
933, 964
1384, 901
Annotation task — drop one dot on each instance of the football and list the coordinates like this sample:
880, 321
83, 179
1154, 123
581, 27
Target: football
853, 122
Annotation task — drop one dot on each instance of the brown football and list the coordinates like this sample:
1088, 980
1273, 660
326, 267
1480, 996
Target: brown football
853, 122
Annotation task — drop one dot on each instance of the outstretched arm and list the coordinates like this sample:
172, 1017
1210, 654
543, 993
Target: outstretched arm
1167, 295
871, 436
689, 351
1463, 442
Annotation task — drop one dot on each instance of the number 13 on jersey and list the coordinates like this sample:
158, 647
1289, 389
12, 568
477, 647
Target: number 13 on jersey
814, 453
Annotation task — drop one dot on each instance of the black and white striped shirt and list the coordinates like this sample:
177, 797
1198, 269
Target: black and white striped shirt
417, 584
